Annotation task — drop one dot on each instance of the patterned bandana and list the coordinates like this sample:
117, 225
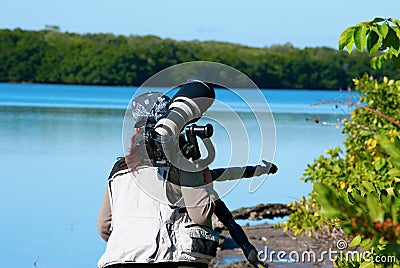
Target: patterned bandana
150, 107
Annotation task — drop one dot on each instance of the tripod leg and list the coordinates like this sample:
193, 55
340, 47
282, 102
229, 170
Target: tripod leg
237, 233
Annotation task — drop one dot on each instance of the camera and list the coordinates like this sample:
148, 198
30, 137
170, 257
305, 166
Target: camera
189, 146
167, 118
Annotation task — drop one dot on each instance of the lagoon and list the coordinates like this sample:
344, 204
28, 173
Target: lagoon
58, 143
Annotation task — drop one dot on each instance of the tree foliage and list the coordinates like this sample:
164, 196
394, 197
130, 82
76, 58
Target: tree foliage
357, 188
379, 37
49, 56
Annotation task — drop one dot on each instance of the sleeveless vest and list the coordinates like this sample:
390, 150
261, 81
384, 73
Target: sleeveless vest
147, 228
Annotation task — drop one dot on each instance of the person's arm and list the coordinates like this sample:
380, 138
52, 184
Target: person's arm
104, 217
235, 173
199, 203
198, 197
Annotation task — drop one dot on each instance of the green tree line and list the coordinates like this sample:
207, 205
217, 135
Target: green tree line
50, 56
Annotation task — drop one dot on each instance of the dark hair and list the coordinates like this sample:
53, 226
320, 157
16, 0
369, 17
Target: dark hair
133, 159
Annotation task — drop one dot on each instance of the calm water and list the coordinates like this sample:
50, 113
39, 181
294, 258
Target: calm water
59, 142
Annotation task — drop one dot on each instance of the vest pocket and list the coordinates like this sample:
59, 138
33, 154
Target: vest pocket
203, 242
204, 246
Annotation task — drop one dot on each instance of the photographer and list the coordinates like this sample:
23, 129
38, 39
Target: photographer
172, 228
161, 158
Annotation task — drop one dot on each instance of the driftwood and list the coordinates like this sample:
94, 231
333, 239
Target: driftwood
258, 212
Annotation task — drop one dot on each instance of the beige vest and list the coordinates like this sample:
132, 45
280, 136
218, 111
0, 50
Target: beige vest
146, 229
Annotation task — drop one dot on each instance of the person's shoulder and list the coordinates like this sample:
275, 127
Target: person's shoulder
118, 166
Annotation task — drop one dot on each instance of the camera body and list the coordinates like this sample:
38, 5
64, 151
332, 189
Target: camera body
190, 147
187, 143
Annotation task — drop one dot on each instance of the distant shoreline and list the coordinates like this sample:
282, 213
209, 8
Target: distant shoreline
51, 56
126, 86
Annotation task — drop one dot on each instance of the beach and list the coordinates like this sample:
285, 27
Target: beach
273, 240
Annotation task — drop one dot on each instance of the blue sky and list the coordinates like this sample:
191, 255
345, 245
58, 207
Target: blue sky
306, 23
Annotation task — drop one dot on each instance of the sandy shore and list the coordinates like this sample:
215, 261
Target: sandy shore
275, 239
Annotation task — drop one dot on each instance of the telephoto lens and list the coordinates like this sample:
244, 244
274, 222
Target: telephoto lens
187, 106
201, 93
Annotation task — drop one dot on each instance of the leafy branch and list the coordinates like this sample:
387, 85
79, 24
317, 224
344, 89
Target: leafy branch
390, 119
378, 35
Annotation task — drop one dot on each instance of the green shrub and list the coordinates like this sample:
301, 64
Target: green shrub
358, 187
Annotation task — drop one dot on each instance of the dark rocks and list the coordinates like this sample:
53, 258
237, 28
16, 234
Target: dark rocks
258, 212
262, 211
